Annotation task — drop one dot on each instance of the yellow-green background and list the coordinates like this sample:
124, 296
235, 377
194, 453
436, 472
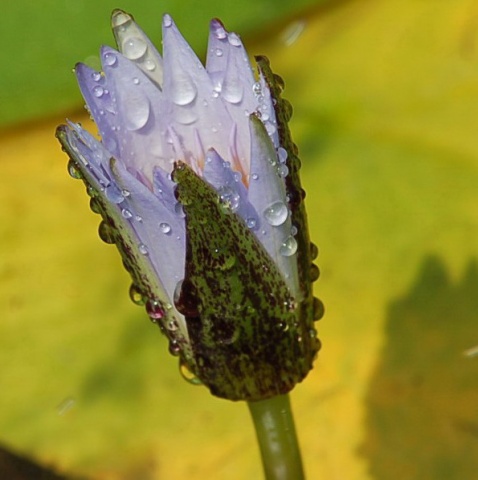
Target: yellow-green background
385, 94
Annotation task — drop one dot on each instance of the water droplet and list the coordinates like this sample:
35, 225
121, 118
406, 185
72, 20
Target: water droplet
136, 109
276, 213
188, 375
234, 39
218, 52
218, 30
95, 205
251, 222
232, 89
105, 233
229, 198
143, 249
167, 20
154, 310
136, 295
179, 210
126, 213
149, 65
314, 272
98, 91
314, 251
283, 326
283, 171
73, 170
293, 230
96, 76
271, 129
165, 227
254, 176
289, 247
256, 88
136, 80
172, 325
318, 308
110, 59
183, 89
134, 48
237, 176
174, 348
125, 193
138, 218
282, 154
113, 194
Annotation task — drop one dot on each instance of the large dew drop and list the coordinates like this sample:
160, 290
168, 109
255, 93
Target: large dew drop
289, 247
183, 90
136, 109
134, 48
232, 90
276, 214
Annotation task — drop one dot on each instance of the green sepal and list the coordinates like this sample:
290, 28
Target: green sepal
245, 330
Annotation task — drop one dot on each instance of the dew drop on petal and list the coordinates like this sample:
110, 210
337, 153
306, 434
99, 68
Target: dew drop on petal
114, 194
167, 20
289, 247
96, 76
282, 154
256, 88
126, 213
283, 171
255, 176
232, 90
137, 111
183, 90
143, 249
134, 48
218, 30
251, 222
276, 214
179, 210
149, 65
165, 228
98, 91
234, 39
110, 59
218, 52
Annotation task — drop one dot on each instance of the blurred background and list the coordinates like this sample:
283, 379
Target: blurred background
385, 95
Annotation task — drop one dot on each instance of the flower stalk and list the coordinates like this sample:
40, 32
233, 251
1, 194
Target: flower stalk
277, 438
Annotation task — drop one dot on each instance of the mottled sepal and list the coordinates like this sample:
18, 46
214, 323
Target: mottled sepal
117, 228
248, 335
306, 252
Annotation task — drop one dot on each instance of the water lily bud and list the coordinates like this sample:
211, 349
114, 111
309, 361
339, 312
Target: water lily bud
197, 180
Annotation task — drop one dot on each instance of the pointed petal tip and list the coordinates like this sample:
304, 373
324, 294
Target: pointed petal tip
218, 29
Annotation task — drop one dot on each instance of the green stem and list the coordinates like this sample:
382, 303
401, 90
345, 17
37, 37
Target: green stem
277, 439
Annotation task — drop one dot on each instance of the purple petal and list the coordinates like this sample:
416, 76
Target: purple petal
97, 94
160, 232
138, 104
190, 101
